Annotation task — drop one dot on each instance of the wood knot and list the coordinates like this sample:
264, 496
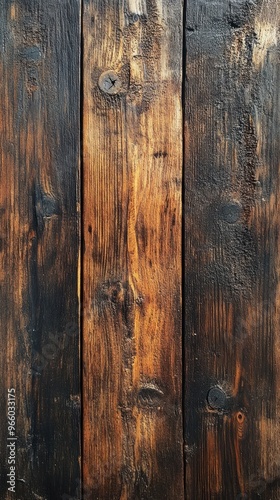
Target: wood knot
230, 212
45, 206
115, 298
150, 396
240, 420
114, 292
240, 417
31, 53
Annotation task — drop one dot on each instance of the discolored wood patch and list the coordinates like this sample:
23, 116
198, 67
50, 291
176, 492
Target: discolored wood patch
39, 185
231, 248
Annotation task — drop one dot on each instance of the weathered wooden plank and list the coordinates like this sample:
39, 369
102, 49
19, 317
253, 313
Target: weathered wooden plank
232, 192
132, 249
39, 167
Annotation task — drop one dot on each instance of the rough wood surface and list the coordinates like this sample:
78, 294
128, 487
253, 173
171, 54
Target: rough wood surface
232, 192
39, 244
147, 121
132, 375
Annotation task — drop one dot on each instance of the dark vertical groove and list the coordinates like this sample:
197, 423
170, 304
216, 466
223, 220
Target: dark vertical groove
184, 66
81, 231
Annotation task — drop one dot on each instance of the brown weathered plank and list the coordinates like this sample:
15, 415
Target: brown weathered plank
39, 166
232, 192
132, 249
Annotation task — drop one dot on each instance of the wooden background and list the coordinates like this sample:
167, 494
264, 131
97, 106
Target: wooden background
139, 248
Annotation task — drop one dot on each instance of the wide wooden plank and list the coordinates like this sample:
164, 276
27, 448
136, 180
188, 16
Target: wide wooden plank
39, 309
132, 386
232, 193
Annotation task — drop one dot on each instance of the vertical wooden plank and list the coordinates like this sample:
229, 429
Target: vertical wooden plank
39, 310
232, 192
132, 249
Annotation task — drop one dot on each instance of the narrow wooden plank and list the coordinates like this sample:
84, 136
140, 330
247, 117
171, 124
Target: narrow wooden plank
132, 252
232, 192
39, 310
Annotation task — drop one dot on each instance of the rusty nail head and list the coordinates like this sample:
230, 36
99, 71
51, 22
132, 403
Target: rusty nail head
109, 82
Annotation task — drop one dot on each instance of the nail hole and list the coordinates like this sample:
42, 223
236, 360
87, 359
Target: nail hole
240, 417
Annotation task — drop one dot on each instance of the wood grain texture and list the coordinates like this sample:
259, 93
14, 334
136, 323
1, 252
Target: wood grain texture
132, 411
131, 262
39, 243
232, 192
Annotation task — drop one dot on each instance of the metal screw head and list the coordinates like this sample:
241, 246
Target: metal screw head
216, 398
109, 82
